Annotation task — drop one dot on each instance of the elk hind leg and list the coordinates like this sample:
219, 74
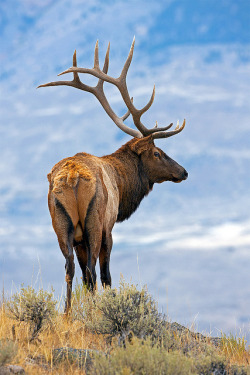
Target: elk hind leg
64, 229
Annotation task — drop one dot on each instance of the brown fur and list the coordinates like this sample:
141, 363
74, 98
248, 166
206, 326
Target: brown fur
88, 194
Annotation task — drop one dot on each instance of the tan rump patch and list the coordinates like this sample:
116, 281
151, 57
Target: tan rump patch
78, 233
69, 175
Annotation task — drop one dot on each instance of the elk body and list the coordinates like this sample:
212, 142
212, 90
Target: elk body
89, 194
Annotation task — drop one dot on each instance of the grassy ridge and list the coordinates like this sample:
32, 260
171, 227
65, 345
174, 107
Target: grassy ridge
112, 331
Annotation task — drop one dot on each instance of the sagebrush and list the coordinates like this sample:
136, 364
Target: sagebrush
109, 331
35, 308
121, 313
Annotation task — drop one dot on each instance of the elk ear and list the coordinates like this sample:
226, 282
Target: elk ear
142, 144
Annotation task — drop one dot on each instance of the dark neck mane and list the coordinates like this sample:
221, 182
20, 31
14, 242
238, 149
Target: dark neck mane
131, 178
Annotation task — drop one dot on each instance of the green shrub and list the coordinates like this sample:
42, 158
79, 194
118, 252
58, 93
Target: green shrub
8, 351
36, 308
140, 358
151, 345
213, 363
122, 313
78, 301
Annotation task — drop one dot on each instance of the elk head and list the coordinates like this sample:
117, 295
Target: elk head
158, 166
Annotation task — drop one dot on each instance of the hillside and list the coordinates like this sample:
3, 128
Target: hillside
114, 331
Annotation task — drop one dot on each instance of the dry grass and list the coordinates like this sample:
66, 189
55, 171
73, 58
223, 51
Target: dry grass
177, 350
36, 356
234, 349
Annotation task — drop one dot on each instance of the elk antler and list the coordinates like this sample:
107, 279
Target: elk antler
121, 84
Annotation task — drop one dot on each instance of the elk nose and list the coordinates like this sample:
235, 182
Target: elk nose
185, 174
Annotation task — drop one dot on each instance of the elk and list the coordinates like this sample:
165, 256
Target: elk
89, 194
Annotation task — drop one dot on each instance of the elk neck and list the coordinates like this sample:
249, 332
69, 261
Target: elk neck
132, 181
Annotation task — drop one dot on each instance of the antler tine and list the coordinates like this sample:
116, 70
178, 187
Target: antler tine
104, 69
74, 59
56, 83
136, 113
124, 117
155, 129
106, 61
128, 61
76, 82
76, 76
96, 57
165, 134
148, 105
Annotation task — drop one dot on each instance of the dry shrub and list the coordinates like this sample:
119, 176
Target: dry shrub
36, 308
122, 312
124, 315
140, 358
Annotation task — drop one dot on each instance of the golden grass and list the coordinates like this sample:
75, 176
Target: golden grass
36, 355
234, 349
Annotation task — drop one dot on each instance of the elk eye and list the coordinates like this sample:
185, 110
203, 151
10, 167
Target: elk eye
157, 154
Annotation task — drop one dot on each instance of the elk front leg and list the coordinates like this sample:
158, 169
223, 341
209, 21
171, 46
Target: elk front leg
104, 259
87, 264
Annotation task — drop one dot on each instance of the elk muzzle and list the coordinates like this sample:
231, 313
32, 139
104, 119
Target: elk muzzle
183, 176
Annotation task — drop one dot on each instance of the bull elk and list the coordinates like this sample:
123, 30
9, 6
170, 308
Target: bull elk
88, 194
